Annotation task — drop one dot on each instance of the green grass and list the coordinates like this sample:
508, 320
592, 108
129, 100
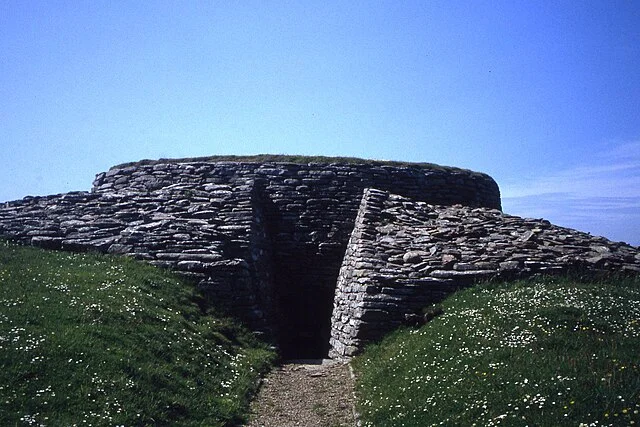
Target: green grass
96, 340
283, 158
539, 353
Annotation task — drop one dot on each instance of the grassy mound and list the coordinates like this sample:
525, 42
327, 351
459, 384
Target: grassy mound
97, 340
546, 352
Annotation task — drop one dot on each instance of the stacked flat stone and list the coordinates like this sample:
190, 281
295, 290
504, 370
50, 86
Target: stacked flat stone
404, 255
270, 240
206, 232
240, 229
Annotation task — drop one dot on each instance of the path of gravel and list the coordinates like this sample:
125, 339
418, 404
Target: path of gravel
316, 393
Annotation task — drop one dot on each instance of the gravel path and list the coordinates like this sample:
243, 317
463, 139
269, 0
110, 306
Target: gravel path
310, 393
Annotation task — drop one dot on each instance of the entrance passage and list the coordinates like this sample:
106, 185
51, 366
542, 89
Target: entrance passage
304, 321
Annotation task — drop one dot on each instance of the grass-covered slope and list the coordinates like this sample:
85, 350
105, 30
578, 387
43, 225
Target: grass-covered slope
536, 353
97, 340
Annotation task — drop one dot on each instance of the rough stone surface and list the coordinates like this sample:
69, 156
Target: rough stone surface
404, 255
267, 239
271, 240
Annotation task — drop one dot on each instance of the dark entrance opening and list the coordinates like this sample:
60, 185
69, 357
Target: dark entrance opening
305, 266
304, 320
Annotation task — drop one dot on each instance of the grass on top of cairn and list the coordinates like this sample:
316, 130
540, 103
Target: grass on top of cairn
87, 339
540, 352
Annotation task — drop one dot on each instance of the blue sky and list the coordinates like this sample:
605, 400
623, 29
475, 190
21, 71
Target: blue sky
542, 95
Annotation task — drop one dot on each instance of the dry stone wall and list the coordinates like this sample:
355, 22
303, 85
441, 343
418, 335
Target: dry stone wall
271, 240
211, 233
267, 239
404, 255
309, 212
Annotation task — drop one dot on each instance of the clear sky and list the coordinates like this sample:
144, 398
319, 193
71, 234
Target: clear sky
542, 95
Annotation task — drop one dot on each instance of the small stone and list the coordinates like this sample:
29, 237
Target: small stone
413, 257
597, 260
600, 249
448, 260
463, 266
509, 265
527, 236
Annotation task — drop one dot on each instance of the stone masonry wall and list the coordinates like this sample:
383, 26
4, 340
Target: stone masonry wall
271, 240
309, 212
404, 255
265, 238
210, 233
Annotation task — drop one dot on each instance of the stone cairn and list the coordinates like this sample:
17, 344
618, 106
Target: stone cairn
330, 255
404, 255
